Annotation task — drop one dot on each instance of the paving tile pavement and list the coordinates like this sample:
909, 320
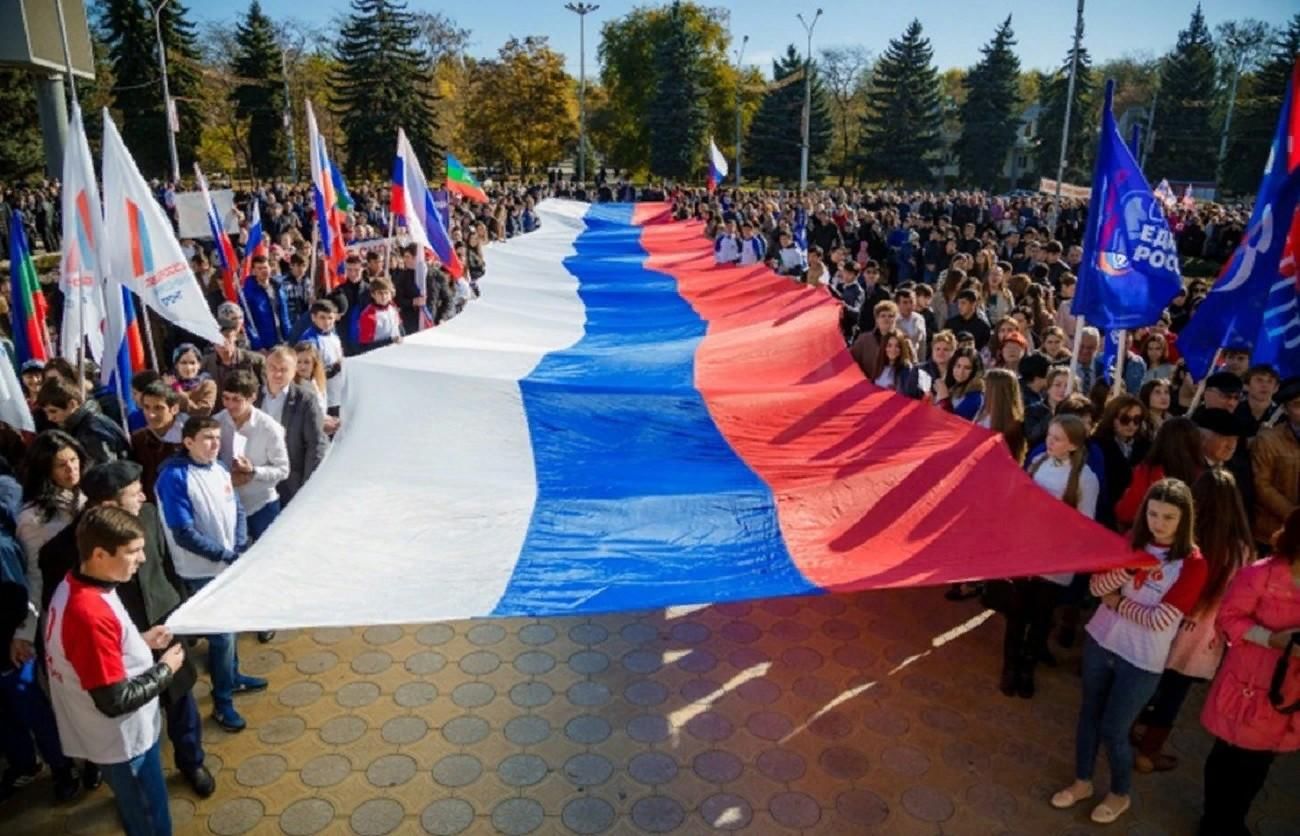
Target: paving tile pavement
850, 714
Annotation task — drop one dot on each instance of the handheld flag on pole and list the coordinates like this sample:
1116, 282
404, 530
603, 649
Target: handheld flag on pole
256, 243
1130, 262
83, 215
27, 308
717, 166
413, 199
1165, 193
328, 220
143, 252
342, 200
1256, 300
460, 181
225, 250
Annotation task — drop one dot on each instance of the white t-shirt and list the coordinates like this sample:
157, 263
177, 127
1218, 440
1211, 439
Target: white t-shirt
1054, 477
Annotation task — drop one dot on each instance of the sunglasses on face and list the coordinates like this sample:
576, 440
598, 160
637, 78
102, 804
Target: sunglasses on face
1129, 420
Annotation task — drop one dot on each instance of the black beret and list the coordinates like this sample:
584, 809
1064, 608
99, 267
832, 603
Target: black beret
1219, 422
105, 481
1225, 382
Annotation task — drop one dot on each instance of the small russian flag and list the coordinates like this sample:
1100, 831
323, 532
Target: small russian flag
717, 166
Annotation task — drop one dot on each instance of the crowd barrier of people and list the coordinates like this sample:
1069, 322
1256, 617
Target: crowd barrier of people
960, 300
963, 301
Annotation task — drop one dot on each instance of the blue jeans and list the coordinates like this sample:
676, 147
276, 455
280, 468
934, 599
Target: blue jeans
141, 793
223, 658
260, 520
1114, 693
26, 716
185, 730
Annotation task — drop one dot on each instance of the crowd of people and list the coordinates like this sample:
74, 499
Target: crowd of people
963, 302
958, 300
119, 508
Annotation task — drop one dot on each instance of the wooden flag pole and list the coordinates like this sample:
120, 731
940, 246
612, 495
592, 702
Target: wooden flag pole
1079, 325
1117, 385
1200, 387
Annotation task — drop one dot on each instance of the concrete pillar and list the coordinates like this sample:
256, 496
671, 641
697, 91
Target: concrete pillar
53, 108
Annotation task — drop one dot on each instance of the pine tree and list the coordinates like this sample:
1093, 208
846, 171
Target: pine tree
676, 118
776, 134
384, 82
1083, 120
990, 115
21, 154
900, 133
1259, 101
127, 27
259, 93
1186, 145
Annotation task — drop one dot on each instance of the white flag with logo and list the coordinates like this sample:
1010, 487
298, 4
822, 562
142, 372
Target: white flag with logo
79, 268
143, 252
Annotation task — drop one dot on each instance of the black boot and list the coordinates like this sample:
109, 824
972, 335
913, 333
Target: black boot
1025, 678
1007, 684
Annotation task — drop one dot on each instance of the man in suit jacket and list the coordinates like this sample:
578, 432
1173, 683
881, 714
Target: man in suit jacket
298, 410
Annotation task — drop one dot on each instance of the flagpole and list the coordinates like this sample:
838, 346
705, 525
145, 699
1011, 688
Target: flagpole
1079, 325
1200, 387
1117, 385
81, 294
311, 270
121, 405
388, 240
148, 335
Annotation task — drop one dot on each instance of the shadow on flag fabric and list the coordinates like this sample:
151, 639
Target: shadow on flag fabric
79, 267
27, 308
650, 429
142, 252
1256, 300
717, 166
1130, 260
226, 258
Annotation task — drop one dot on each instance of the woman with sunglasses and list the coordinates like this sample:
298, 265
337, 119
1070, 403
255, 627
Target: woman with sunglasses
1123, 444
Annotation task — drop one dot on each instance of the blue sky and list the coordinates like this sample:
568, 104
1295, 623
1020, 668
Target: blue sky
956, 28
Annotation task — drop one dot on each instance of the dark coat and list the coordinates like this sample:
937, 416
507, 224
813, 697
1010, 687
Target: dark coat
149, 597
304, 436
102, 440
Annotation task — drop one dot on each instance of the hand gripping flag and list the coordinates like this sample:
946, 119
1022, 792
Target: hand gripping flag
143, 253
717, 166
225, 250
27, 309
1256, 300
79, 266
412, 199
460, 181
1130, 262
328, 220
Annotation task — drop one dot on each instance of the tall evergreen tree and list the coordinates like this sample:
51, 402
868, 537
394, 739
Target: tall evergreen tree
384, 82
1186, 146
776, 134
21, 154
900, 132
259, 93
1259, 100
990, 115
127, 27
676, 117
1083, 120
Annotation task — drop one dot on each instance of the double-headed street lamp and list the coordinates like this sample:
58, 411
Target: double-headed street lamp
740, 58
581, 10
167, 98
807, 99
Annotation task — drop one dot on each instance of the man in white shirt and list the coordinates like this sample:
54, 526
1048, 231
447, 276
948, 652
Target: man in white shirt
253, 449
910, 322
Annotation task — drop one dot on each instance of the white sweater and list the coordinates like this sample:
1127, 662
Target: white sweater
1054, 476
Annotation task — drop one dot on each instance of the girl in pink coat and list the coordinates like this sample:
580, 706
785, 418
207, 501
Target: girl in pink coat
1259, 617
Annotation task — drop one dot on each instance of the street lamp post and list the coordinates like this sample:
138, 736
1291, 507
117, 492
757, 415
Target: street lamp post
740, 57
1069, 102
807, 99
581, 10
167, 97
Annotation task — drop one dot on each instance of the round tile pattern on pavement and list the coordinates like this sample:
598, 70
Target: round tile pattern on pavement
759, 717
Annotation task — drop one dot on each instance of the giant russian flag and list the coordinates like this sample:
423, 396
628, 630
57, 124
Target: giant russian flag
634, 427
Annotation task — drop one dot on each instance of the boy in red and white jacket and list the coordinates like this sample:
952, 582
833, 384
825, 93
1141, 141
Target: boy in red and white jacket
380, 323
104, 678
